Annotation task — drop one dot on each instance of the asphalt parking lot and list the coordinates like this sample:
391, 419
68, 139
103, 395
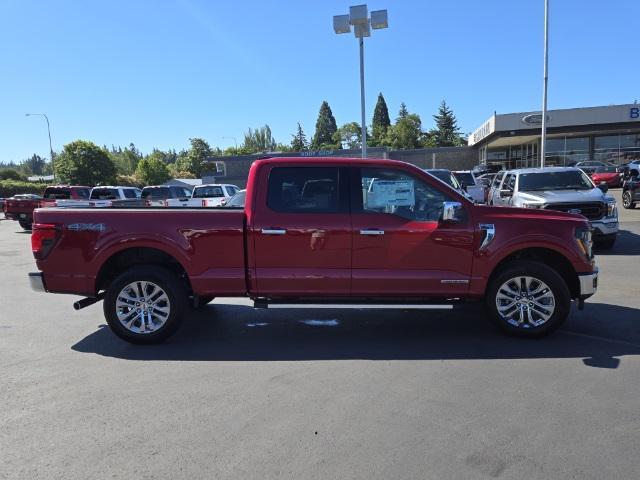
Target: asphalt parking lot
239, 393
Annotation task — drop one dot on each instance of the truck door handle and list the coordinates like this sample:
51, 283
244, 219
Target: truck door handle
372, 231
273, 231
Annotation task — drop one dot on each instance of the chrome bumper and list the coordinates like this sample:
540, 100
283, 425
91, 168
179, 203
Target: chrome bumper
37, 281
588, 283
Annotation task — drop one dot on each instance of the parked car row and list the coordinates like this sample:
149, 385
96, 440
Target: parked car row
21, 207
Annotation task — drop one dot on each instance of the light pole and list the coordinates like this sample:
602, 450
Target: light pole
53, 170
234, 141
362, 24
543, 141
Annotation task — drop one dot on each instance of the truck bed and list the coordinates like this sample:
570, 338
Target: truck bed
207, 243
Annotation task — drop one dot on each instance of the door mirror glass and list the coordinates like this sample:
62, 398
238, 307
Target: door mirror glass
450, 211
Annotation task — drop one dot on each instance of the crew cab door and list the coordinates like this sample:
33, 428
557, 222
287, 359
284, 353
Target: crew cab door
400, 246
300, 231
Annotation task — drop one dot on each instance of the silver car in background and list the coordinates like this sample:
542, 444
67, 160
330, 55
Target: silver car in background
566, 189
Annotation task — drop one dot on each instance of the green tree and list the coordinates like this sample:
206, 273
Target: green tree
446, 133
84, 163
326, 127
10, 174
196, 157
152, 171
403, 111
349, 136
381, 121
406, 133
34, 165
299, 142
258, 140
126, 160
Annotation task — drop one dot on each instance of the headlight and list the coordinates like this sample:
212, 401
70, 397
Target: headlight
612, 209
583, 239
532, 205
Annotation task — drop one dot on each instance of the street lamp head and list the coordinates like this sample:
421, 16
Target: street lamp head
362, 30
379, 19
341, 24
358, 15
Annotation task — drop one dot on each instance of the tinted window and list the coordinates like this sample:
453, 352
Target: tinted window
231, 190
497, 179
397, 193
57, 193
567, 180
465, 177
208, 192
131, 193
82, 192
303, 189
104, 194
155, 193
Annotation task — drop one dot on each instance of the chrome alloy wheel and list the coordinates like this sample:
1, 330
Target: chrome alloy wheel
525, 302
143, 307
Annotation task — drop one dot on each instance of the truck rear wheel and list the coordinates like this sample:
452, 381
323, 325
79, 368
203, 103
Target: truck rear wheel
25, 224
145, 304
528, 299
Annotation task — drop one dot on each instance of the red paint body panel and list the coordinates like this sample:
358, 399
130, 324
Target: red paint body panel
225, 253
610, 178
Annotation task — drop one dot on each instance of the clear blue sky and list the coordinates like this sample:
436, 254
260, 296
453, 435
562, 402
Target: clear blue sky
157, 73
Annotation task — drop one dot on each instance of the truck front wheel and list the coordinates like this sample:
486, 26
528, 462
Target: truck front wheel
528, 299
145, 304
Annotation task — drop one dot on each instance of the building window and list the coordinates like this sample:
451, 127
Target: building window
566, 150
220, 169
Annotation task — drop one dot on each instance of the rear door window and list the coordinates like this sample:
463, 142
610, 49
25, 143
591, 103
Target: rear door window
104, 194
57, 193
304, 190
208, 192
156, 193
130, 193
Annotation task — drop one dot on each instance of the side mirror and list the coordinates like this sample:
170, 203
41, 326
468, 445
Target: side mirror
604, 187
449, 211
505, 193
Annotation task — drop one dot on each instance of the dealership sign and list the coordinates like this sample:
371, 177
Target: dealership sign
534, 119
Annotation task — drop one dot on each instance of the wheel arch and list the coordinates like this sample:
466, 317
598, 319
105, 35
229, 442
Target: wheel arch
552, 258
126, 258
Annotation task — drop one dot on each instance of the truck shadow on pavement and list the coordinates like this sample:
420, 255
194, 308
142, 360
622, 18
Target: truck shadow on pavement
627, 243
599, 336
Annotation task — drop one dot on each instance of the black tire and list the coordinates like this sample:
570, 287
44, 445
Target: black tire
25, 224
540, 272
606, 244
627, 200
162, 278
201, 302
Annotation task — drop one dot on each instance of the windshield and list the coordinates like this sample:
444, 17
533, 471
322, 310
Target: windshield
606, 170
565, 180
237, 200
208, 192
447, 177
465, 177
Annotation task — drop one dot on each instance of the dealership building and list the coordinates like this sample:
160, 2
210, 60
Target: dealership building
512, 140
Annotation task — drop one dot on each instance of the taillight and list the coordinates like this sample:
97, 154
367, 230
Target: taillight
43, 237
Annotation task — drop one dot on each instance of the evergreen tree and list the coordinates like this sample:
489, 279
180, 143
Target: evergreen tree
258, 140
196, 156
446, 133
381, 121
326, 127
299, 142
403, 111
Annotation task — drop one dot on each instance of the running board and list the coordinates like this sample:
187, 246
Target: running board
354, 306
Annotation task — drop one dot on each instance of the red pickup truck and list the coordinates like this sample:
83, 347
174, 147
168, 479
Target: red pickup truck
319, 233
21, 209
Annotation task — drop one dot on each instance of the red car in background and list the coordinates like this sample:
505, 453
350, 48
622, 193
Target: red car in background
608, 175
